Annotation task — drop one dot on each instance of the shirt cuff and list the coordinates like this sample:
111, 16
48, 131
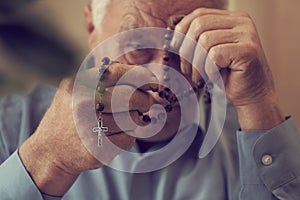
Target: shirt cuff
47, 197
15, 181
271, 157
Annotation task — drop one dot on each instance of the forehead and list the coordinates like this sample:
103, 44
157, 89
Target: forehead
164, 8
156, 13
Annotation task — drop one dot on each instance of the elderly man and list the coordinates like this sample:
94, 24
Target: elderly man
255, 157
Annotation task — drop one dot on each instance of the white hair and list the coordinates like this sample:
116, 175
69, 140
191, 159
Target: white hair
99, 10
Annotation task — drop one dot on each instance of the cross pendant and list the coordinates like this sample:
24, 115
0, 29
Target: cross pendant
100, 130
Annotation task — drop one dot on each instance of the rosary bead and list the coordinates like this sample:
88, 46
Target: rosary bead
100, 89
167, 97
169, 108
101, 71
105, 61
166, 58
162, 94
180, 97
207, 98
200, 84
167, 89
100, 107
166, 78
154, 89
191, 90
166, 69
174, 99
166, 47
195, 89
170, 31
168, 37
209, 85
186, 93
146, 118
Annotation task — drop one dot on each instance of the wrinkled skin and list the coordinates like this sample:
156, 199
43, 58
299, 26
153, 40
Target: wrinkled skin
232, 43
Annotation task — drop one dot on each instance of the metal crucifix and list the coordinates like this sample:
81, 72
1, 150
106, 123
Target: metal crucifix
100, 130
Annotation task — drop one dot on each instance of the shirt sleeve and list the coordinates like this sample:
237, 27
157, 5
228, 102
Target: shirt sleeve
19, 117
270, 162
15, 181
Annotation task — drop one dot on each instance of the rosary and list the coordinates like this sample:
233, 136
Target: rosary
164, 93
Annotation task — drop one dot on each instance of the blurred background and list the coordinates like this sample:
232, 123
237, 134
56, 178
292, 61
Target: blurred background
44, 40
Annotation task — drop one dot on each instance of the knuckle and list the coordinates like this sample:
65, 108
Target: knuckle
135, 102
204, 38
247, 34
242, 14
134, 116
146, 72
251, 50
179, 28
182, 51
118, 73
199, 11
253, 38
197, 23
246, 19
245, 14
136, 119
215, 54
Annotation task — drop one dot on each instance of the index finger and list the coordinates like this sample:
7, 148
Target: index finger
133, 75
120, 74
184, 25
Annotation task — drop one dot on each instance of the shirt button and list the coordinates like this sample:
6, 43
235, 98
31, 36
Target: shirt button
267, 160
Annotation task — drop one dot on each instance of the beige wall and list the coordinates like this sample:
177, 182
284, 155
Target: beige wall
278, 23
68, 16
66, 21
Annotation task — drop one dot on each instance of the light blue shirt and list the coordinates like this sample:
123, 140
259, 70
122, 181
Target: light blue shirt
235, 169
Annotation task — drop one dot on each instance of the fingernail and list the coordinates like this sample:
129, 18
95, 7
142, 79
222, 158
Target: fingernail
195, 78
173, 43
184, 72
184, 68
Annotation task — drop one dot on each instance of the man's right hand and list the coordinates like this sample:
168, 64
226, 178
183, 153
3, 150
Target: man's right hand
54, 155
